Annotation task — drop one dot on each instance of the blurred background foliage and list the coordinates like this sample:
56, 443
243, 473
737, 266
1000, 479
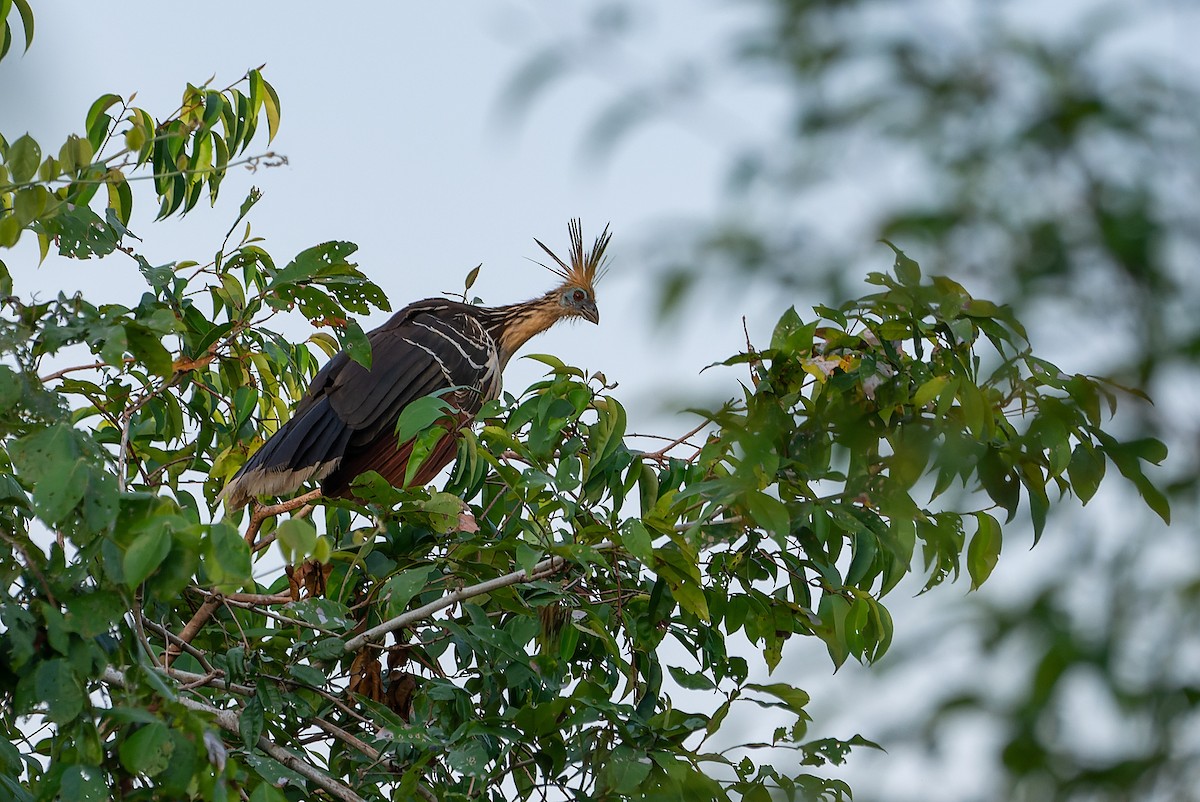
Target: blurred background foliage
1047, 154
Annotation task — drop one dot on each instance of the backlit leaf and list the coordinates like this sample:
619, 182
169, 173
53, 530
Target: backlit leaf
984, 550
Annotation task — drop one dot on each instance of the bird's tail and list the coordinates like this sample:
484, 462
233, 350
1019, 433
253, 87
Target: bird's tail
307, 447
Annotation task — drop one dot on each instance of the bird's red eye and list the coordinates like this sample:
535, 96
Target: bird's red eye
578, 295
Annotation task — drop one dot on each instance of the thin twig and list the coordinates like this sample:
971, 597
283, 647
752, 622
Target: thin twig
171, 637
732, 519
660, 455
356, 743
228, 720
545, 568
138, 617
248, 598
754, 360
58, 374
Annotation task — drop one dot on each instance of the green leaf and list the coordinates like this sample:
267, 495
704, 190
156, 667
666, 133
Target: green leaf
52, 450
625, 770
324, 260
637, 541
423, 446
692, 680
769, 513
1127, 457
59, 492
148, 751
95, 613
83, 784
527, 557
930, 390
404, 586
265, 792
226, 556
1086, 471
297, 537
145, 554
29, 203
26, 13
24, 156
470, 759
10, 230
984, 549
97, 122
793, 699
324, 613
148, 349
557, 366
355, 343
56, 684
271, 106
473, 274
250, 723
1039, 501
908, 271
682, 576
791, 335
421, 415
101, 502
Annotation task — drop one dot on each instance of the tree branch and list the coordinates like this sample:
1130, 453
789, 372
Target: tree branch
199, 619
228, 720
356, 743
58, 374
206, 610
262, 513
660, 456
542, 570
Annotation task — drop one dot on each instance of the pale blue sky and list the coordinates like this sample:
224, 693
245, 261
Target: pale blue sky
390, 124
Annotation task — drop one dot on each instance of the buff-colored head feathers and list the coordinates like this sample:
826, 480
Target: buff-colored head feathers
584, 268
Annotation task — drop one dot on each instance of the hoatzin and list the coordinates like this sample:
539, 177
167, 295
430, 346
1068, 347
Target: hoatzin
345, 425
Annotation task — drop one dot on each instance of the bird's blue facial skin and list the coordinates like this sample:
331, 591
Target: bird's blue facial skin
580, 302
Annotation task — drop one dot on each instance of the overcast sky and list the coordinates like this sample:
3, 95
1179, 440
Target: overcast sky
392, 129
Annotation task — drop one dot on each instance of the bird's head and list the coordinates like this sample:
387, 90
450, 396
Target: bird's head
577, 294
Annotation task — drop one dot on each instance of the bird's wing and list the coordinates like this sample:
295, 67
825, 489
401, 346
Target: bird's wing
345, 424
420, 354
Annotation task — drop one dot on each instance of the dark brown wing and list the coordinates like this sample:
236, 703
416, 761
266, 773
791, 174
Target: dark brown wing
345, 424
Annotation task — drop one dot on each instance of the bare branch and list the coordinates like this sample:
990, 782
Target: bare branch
542, 570
58, 374
228, 721
171, 637
262, 513
191, 629
661, 454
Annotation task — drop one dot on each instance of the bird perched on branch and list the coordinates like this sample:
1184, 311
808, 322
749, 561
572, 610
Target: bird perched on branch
346, 423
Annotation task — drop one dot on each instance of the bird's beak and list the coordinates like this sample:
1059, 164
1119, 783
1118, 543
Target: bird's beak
589, 311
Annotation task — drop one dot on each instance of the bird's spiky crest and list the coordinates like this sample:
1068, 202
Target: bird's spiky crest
584, 268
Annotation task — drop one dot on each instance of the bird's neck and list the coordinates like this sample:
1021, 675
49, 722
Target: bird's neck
514, 325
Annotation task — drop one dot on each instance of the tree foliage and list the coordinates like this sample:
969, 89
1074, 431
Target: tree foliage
1046, 157
505, 637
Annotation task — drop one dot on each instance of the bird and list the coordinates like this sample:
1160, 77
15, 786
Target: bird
345, 424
